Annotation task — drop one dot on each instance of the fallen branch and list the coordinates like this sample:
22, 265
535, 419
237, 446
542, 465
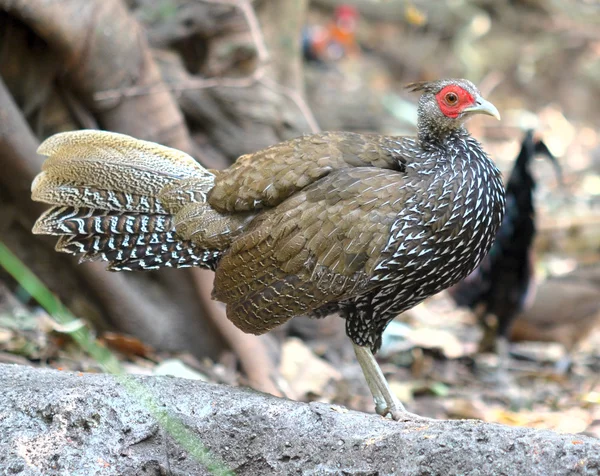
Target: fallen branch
65, 423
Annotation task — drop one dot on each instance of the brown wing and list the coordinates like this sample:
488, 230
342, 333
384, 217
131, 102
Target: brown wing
320, 245
267, 177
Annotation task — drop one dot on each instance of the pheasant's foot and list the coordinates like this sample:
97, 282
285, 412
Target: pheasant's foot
386, 403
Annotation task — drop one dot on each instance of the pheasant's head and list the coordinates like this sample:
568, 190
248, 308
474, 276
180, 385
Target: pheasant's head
446, 104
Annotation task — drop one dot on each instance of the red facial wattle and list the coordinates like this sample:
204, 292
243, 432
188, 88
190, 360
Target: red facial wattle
464, 100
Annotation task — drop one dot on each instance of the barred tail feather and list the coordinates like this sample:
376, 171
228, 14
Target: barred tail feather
105, 190
138, 252
85, 221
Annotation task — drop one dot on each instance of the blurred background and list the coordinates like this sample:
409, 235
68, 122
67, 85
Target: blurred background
221, 78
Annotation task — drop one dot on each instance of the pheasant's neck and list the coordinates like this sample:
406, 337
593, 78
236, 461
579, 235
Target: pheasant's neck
432, 135
457, 152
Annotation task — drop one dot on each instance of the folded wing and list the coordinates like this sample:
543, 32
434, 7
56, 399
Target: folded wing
309, 251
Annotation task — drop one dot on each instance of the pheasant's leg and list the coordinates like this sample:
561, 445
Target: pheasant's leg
385, 401
563, 366
515, 395
503, 350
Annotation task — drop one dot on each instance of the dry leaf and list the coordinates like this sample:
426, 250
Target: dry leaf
304, 371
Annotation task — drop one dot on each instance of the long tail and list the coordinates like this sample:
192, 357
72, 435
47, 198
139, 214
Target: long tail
105, 191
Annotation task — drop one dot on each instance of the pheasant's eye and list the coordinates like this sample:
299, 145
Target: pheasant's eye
451, 99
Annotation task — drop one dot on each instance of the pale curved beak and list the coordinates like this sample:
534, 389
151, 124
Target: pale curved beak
483, 107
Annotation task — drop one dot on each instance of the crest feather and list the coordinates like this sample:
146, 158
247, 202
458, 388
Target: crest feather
425, 86
435, 86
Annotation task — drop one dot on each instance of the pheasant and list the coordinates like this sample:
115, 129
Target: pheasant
334, 41
366, 226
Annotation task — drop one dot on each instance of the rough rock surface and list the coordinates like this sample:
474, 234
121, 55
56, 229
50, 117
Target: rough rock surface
58, 423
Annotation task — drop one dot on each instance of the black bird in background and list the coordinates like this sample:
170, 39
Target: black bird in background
503, 283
